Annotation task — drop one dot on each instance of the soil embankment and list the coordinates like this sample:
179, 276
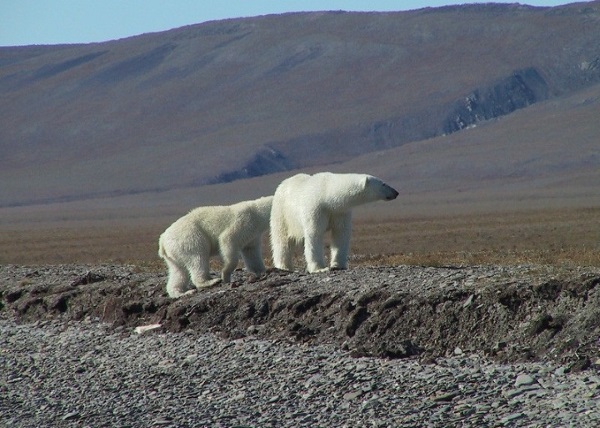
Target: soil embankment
509, 314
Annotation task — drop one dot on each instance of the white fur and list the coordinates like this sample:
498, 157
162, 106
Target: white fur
306, 206
187, 245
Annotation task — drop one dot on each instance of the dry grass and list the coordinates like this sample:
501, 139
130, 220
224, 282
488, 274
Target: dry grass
563, 257
556, 237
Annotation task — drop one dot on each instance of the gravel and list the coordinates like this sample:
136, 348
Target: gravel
404, 346
89, 374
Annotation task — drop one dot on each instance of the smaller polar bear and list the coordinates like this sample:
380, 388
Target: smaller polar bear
307, 206
187, 245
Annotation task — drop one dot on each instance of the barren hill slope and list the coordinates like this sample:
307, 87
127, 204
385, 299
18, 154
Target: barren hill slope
230, 99
547, 155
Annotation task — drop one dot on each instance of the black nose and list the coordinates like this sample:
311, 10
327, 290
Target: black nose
393, 196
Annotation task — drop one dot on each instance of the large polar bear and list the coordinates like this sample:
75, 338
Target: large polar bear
306, 206
187, 245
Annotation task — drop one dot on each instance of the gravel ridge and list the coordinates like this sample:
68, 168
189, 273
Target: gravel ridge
511, 313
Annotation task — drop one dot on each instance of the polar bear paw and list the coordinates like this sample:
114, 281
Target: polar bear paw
207, 284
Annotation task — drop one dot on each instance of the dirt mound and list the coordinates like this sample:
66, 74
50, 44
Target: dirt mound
509, 314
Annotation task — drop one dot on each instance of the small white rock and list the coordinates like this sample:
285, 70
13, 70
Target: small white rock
145, 328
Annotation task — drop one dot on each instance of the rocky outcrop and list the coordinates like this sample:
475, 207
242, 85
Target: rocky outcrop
266, 161
521, 89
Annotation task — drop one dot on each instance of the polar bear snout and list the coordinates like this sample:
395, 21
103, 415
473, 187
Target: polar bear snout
390, 193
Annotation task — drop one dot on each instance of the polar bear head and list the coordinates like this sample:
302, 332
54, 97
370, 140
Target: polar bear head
376, 190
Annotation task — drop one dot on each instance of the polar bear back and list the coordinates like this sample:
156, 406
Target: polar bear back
334, 192
211, 222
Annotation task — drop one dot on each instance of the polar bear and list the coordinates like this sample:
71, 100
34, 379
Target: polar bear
187, 245
306, 206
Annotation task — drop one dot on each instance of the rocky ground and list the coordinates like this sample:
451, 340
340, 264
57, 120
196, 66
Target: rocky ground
385, 346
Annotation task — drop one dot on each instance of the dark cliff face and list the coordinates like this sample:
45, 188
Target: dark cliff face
233, 99
521, 89
265, 161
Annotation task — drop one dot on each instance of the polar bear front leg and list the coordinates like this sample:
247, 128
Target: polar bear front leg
252, 256
341, 231
200, 273
314, 248
230, 257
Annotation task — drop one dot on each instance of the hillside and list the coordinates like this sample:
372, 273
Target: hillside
395, 94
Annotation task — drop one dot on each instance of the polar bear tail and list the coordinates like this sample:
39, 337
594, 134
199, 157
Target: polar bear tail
162, 253
161, 249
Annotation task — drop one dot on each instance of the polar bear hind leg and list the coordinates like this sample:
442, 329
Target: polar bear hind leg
180, 274
194, 261
178, 282
282, 253
282, 244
